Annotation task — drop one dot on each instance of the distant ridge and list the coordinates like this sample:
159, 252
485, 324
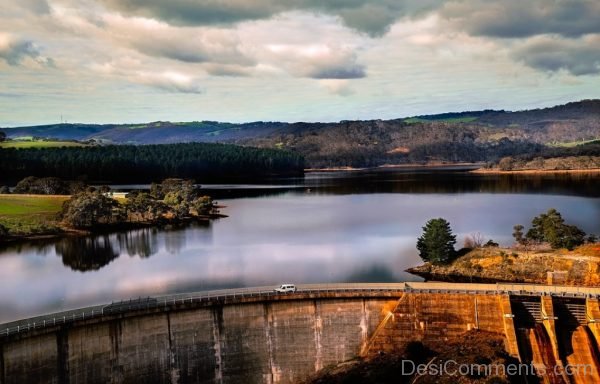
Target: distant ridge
455, 136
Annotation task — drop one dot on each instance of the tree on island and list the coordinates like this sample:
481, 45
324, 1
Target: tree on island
88, 210
550, 228
436, 245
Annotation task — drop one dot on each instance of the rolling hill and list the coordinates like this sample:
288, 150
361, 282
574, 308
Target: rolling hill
462, 136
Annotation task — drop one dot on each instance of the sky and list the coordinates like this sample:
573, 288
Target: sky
128, 61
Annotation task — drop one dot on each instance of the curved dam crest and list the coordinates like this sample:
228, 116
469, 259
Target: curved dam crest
256, 336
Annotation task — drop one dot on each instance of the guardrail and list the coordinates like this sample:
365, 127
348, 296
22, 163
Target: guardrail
120, 307
125, 306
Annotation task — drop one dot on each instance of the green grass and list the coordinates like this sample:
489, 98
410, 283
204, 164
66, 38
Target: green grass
466, 119
30, 214
39, 144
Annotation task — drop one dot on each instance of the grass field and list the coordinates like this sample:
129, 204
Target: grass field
30, 214
39, 144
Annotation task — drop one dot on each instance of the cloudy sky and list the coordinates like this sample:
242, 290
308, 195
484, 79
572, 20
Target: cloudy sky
290, 60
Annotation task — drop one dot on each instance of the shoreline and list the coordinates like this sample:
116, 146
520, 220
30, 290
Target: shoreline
392, 166
64, 232
483, 171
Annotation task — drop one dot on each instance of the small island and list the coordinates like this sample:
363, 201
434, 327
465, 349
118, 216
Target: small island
50, 207
550, 252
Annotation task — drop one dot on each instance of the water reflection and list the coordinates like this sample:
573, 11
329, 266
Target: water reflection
377, 272
91, 253
356, 229
86, 253
390, 180
142, 243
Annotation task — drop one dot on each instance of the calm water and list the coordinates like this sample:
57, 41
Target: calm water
330, 227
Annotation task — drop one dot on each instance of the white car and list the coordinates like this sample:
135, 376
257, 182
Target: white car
286, 288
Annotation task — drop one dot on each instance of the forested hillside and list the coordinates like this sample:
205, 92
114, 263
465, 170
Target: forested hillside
145, 163
478, 136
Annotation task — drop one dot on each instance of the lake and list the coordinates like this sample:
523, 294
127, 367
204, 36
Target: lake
358, 226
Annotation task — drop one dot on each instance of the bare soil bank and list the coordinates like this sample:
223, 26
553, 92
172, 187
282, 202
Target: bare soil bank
582, 266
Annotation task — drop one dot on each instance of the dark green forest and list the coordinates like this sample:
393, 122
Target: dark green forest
146, 163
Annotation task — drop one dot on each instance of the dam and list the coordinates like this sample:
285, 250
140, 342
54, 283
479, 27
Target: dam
254, 335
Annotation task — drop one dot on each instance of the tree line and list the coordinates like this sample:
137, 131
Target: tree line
146, 163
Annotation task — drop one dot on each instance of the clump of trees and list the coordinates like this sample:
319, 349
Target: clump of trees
171, 200
48, 186
90, 209
436, 244
549, 228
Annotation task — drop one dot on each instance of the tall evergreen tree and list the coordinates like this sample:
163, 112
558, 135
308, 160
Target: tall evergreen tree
436, 245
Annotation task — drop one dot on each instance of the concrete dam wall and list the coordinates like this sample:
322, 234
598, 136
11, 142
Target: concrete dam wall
250, 342
285, 338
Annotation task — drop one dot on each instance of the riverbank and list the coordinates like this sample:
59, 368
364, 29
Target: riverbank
578, 267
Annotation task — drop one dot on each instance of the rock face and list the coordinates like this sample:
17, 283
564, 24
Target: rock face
271, 341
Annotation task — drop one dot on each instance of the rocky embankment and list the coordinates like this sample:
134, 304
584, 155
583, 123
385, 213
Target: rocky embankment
578, 267
475, 347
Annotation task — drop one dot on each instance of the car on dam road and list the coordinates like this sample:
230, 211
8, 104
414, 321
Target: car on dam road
286, 288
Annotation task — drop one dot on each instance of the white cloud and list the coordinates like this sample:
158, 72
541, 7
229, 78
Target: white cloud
273, 60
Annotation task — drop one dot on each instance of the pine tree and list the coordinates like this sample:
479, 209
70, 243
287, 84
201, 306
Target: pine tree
436, 245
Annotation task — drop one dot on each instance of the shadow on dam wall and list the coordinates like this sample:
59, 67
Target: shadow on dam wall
554, 334
285, 340
260, 342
